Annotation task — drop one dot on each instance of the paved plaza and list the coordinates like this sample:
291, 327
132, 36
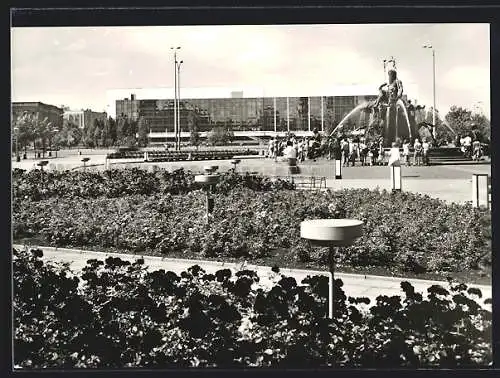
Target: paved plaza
451, 183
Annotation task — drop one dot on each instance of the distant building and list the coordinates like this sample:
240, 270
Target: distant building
53, 113
75, 117
248, 113
83, 118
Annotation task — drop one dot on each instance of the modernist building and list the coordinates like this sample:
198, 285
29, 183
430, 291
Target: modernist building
51, 112
83, 118
248, 113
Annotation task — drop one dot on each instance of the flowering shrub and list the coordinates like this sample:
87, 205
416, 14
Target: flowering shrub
402, 232
35, 185
118, 314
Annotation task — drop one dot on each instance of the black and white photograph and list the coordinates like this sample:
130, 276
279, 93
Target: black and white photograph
291, 196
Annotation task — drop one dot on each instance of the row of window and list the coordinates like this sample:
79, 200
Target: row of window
282, 114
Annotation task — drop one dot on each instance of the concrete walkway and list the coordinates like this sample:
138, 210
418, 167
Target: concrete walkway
448, 183
355, 285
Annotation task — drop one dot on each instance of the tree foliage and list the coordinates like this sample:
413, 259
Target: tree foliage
194, 138
220, 136
70, 135
30, 128
142, 131
465, 122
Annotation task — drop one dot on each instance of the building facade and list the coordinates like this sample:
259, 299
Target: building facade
83, 118
53, 113
256, 114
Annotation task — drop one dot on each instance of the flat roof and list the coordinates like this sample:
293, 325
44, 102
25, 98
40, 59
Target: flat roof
162, 93
28, 103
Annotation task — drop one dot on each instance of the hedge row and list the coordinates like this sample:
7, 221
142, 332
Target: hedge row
117, 314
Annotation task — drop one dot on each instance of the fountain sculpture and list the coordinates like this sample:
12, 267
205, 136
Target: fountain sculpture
389, 109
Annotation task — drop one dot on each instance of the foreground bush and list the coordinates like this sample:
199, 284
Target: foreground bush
118, 314
402, 233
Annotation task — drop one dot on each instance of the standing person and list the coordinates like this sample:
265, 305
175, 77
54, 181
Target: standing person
394, 157
363, 152
374, 152
406, 151
300, 150
369, 154
296, 146
354, 148
417, 152
336, 150
345, 152
476, 148
381, 152
329, 147
468, 146
271, 148
289, 152
425, 151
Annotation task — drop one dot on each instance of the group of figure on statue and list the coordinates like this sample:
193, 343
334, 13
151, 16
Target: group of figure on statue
391, 116
389, 92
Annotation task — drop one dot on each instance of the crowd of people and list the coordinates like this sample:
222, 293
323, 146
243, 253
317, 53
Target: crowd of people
350, 150
470, 147
292, 147
354, 150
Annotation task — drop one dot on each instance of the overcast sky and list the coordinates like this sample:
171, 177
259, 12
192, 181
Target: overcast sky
75, 66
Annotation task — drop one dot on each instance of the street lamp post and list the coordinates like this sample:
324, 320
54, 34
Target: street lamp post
175, 93
332, 233
42, 164
433, 89
179, 103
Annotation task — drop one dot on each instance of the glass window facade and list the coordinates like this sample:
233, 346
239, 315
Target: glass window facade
315, 110
299, 113
281, 114
245, 114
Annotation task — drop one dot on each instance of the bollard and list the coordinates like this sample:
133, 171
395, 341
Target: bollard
338, 169
395, 177
481, 190
293, 169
